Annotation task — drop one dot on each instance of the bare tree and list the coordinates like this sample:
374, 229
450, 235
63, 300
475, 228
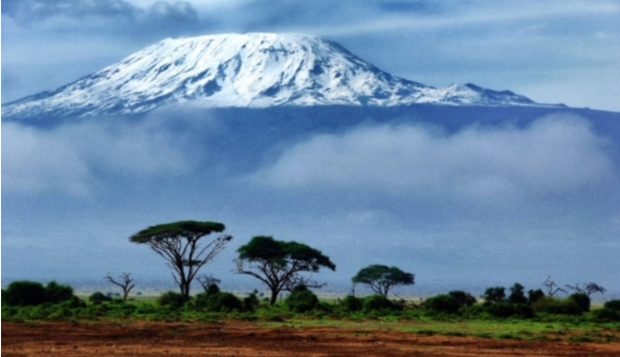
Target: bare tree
552, 287
587, 288
124, 281
207, 281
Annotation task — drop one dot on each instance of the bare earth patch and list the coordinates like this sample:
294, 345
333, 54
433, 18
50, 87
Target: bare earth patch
235, 338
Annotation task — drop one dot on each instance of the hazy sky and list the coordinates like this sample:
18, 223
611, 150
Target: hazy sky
552, 51
471, 204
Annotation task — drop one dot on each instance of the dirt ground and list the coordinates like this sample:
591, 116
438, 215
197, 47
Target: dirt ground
248, 339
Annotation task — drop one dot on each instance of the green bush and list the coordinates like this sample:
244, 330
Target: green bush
73, 303
217, 302
582, 300
451, 303
98, 297
517, 294
494, 294
212, 289
549, 305
350, 304
24, 293
534, 295
378, 303
171, 299
613, 305
250, 302
55, 293
464, 299
225, 302
606, 315
301, 300
505, 309
442, 304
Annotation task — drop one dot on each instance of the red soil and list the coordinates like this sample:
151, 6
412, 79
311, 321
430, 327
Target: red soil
248, 339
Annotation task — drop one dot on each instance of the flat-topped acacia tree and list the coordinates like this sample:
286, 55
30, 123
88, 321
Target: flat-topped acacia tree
182, 245
277, 263
381, 278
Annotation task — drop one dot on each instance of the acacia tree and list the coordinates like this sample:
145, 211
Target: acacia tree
278, 263
381, 278
182, 245
124, 281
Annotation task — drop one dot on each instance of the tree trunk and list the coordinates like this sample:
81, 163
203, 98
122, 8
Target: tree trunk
185, 289
274, 297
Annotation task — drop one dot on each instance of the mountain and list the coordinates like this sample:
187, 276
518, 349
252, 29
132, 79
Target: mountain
251, 70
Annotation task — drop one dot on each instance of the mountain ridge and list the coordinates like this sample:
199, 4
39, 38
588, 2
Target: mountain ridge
246, 70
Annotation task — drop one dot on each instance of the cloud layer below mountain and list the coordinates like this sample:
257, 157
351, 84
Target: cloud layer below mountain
483, 203
553, 156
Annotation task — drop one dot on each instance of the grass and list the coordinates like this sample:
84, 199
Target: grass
528, 330
570, 329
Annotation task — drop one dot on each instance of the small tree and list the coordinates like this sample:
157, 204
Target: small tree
180, 244
278, 263
124, 281
381, 278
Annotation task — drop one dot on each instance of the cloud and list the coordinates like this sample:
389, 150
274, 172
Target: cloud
554, 156
70, 158
29, 12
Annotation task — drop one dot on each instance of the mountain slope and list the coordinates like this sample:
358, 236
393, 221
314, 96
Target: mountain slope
251, 70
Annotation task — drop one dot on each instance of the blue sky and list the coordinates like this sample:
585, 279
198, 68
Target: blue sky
552, 51
475, 205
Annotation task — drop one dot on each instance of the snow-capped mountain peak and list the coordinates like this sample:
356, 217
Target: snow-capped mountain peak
244, 70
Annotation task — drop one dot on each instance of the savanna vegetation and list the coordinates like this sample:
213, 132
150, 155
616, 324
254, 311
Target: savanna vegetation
291, 296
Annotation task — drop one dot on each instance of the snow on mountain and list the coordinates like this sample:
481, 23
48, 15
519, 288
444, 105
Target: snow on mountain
249, 70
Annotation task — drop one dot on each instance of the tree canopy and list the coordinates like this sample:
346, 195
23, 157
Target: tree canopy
175, 230
179, 243
277, 263
381, 278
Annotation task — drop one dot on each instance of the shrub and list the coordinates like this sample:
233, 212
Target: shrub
301, 300
350, 304
212, 289
553, 306
98, 297
250, 302
55, 293
494, 294
378, 303
606, 315
23, 293
534, 295
463, 298
73, 303
505, 309
171, 299
451, 303
224, 302
613, 305
582, 300
442, 304
517, 294
217, 302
